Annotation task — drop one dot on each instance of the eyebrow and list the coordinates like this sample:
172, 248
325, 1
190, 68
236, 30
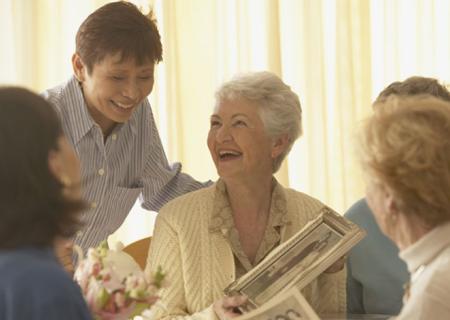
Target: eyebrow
125, 70
232, 117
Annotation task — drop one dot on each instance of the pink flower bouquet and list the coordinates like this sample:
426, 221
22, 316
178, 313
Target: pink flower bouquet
114, 285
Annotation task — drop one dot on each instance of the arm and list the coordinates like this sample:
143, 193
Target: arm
354, 292
64, 251
50, 294
64, 307
331, 292
163, 182
165, 251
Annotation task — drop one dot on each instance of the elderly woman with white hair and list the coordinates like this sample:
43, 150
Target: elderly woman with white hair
206, 239
405, 152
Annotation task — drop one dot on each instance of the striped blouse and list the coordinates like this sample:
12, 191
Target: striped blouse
131, 162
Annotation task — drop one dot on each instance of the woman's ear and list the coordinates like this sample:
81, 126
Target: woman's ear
279, 145
390, 206
55, 164
56, 167
78, 67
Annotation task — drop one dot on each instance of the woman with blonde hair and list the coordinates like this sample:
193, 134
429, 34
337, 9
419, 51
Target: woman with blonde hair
405, 152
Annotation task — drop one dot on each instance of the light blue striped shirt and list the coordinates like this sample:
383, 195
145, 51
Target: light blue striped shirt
131, 162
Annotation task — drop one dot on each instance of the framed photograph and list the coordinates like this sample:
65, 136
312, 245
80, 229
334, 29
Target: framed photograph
299, 260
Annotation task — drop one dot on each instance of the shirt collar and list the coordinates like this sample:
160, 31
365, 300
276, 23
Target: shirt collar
79, 119
426, 248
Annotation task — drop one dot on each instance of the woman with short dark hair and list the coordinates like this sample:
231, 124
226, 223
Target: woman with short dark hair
40, 203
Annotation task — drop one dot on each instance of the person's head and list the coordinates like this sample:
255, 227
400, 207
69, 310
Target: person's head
405, 151
256, 120
40, 198
415, 86
117, 48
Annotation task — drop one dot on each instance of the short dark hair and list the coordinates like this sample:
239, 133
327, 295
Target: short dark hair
415, 86
118, 27
33, 209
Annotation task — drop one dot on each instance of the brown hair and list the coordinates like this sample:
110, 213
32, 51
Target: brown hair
33, 209
414, 86
118, 27
405, 146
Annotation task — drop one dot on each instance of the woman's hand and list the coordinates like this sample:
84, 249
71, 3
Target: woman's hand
226, 308
64, 250
337, 266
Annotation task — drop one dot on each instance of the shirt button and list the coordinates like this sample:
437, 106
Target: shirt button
114, 136
93, 205
101, 171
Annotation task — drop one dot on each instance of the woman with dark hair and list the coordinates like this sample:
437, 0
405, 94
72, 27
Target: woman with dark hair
40, 202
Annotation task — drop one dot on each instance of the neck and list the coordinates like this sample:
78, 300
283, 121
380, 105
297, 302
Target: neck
250, 198
409, 230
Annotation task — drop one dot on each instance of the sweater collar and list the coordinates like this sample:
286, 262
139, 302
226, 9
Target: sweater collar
222, 219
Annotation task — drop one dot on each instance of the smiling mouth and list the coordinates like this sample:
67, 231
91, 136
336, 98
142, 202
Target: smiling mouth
122, 107
229, 155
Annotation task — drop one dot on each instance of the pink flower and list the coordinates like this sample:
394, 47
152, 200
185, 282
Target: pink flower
119, 299
113, 284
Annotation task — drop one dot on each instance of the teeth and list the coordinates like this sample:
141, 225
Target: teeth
123, 106
231, 152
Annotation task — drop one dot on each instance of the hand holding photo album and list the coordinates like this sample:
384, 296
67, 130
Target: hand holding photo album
299, 260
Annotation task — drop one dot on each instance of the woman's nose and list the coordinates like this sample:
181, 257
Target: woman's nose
131, 90
224, 134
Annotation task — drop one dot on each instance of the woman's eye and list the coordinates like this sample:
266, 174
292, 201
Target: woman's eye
145, 78
117, 78
215, 124
240, 123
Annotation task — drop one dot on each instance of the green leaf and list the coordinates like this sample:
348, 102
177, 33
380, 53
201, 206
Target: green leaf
139, 308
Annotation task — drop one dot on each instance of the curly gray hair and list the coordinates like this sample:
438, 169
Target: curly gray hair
278, 106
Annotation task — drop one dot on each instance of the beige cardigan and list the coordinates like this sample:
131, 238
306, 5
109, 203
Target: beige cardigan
200, 264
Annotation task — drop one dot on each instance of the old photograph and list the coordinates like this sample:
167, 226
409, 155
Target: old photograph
300, 259
280, 274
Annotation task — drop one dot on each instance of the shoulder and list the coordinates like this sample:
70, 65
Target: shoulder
301, 208
43, 282
47, 275
194, 205
56, 95
435, 291
32, 265
358, 211
302, 200
143, 116
440, 276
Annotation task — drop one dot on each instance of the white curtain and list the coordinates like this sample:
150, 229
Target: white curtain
336, 54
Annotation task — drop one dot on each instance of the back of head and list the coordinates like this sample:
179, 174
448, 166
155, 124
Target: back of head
33, 210
119, 27
278, 106
405, 146
415, 86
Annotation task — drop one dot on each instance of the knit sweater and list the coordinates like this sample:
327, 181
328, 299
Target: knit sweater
199, 264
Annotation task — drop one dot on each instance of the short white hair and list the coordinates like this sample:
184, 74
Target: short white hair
278, 106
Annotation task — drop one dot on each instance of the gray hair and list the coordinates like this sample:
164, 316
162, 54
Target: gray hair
278, 106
